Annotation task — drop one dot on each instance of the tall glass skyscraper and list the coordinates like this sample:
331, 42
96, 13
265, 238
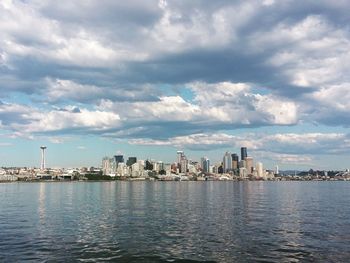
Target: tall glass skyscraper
118, 159
227, 161
205, 164
243, 153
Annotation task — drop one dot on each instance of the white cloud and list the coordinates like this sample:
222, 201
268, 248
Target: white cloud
214, 104
296, 159
334, 96
311, 52
25, 31
62, 120
27, 120
243, 106
84, 53
289, 144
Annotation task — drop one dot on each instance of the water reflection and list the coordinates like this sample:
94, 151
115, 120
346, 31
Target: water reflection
160, 221
41, 205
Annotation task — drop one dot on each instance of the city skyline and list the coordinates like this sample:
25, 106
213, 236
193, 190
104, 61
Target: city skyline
202, 77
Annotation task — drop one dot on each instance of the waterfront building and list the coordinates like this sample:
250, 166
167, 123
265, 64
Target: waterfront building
227, 162
235, 160
243, 173
249, 164
168, 168
191, 168
109, 166
131, 161
205, 164
137, 170
160, 166
180, 154
243, 153
259, 170
242, 164
211, 168
277, 170
183, 164
118, 159
123, 170
174, 167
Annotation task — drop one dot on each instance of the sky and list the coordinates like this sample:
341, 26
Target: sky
94, 78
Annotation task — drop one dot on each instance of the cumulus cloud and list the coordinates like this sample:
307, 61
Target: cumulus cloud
59, 90
287, 144
225, 105
286, 149
152, 71
26, 120
293, 159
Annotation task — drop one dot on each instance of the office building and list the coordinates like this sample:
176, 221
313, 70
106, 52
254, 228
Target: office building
180, 154
183, 164
235, 161
131, 161
249, 164
205, 164
109, 166
119, 158
243, 153
227, 162
259, 170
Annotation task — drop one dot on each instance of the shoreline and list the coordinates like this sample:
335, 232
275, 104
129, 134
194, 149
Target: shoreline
164, 181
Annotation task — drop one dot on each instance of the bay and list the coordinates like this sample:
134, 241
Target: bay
175, 222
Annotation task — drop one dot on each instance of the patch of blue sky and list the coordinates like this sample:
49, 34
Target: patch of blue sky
19, 98
177, 90
255, 89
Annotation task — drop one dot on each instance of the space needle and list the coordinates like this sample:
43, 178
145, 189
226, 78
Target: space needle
42, 157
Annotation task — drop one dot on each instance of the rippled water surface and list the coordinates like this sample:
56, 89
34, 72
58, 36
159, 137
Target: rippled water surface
175, 222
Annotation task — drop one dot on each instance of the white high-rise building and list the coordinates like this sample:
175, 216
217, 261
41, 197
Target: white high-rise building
259, 169
243, 172
123, 170
109, 166
137, 169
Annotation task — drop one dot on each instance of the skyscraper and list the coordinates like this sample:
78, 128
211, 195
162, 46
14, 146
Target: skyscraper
235, 160
179, 156
205, 164
109, 166
249, 164
183, 164
259, 169
243, 153
119, 158
131, 161
227, 162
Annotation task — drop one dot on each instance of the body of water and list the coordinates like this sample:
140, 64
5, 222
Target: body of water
175, 222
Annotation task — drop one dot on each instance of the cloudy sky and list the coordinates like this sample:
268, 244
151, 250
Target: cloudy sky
146, 78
